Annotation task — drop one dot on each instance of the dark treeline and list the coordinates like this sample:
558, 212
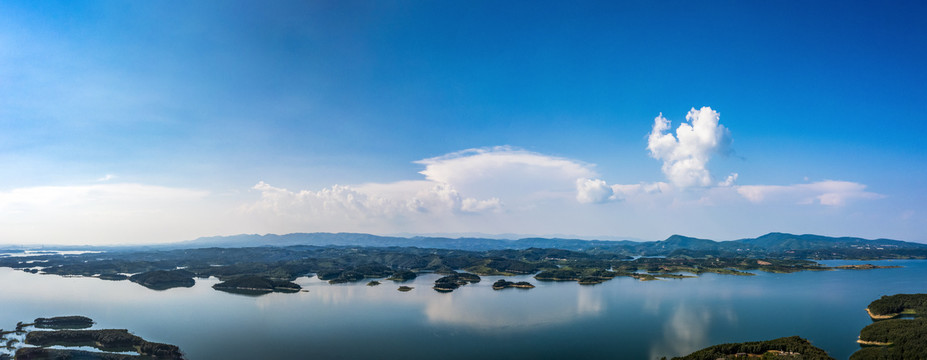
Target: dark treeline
251, 284
895, 304
901, 338
106, 340
792, 347
908, 338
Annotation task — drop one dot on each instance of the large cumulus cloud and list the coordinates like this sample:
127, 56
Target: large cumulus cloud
471, 182
685, 156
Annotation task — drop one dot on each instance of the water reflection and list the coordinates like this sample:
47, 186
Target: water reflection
589, 301
498, 312
687, 329
622, 318
474, 306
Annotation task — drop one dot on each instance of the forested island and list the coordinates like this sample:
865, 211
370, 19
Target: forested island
251, 284
161, 279
502, 284
64, 322
452, 282
111, 343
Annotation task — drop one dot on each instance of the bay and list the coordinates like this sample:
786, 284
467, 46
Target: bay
620, 319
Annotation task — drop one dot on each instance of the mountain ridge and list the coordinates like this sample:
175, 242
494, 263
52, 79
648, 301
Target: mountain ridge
771, 242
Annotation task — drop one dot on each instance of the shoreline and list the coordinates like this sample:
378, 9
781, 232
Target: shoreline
872, 343
880, 317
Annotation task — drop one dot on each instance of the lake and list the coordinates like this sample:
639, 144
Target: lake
620, 319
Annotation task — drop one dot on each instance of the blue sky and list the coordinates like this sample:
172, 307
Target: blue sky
130, 122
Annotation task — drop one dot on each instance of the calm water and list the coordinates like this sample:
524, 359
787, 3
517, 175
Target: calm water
619, 319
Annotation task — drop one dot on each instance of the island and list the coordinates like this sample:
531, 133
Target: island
373, 283
256, 285
792, 347
64, 322
112, 340
405, 288
164, 279
113, 344
865, 267
452, 282
40, 353
502, 284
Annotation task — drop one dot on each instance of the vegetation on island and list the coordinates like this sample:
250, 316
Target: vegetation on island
452, 282
164, 279
403, 275
865, 267
116, 340
64, 322
502, 284
405, 288
40, 353
113, 344
113, 277
792, 347
256, 285
373, 283
888, 307
893, 339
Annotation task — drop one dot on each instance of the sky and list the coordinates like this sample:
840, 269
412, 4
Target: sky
133, 122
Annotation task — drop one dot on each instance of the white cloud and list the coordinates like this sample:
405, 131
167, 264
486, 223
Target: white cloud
643, 189
393, 200
506, 172
828, 192
685, 155
729, 180
592, 191
473, 181
106, 177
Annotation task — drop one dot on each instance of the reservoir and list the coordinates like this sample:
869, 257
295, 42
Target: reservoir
621, 318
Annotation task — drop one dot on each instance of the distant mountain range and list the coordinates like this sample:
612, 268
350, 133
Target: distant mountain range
769, 243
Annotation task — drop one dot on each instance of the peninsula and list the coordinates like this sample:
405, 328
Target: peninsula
890, 337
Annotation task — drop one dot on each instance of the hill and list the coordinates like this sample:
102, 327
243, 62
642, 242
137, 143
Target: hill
799, 246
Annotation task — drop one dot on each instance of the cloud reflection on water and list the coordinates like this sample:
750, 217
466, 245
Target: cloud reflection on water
687, 329
474, 306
